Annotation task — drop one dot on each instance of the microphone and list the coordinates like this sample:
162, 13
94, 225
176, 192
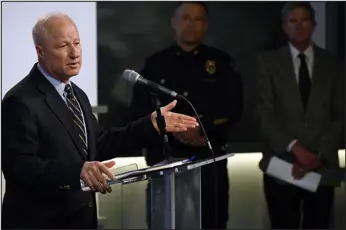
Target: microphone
135, 78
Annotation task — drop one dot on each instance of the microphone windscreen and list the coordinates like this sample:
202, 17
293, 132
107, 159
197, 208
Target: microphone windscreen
122, 91
130, 76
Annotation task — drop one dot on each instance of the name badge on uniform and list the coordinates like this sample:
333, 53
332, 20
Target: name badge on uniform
210, 67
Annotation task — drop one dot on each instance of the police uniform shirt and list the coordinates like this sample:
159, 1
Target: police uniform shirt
206, 77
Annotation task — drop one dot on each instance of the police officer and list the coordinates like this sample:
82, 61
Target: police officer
206, 77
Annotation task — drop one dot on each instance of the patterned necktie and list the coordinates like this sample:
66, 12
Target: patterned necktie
304, 80
78, 119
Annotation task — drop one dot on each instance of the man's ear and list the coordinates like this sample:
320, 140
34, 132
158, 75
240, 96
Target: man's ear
314, 24
206, 27
39, 51
173, 22
283, 27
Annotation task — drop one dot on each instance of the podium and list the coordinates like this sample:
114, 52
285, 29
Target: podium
175, 184
175, 197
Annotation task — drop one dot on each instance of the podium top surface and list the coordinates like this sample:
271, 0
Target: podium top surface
158, 170
179, 165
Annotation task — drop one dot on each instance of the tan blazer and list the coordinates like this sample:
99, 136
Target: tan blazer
281, 114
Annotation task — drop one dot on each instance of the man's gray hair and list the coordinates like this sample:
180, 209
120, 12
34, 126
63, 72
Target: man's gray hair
289, 6
39, 30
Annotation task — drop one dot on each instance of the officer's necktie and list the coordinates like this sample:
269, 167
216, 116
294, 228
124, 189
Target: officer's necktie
304, 80
78, 120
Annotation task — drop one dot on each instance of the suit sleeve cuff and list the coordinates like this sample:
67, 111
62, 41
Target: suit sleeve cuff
149, 126
290, 145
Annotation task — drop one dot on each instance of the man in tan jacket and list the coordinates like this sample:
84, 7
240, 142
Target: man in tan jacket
301, 105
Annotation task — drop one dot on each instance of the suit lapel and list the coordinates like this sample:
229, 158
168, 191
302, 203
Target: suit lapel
318, 78
88, 121
289, 79
59, 108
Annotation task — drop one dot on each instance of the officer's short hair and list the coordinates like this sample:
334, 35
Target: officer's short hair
193, 2
289, 6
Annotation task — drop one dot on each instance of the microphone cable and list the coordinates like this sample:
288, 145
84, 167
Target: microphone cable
216, 190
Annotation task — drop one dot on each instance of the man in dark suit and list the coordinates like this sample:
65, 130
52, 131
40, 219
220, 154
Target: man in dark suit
51, 142
301, 92
205, 76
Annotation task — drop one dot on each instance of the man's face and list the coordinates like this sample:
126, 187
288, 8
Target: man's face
299, 26
189, 23
61, 51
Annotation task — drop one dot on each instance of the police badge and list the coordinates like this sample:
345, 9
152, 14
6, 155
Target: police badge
210, 67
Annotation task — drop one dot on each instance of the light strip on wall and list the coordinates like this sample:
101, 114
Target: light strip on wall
240, 158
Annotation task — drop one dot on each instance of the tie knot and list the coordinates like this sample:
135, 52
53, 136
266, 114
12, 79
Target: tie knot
302, 56
68, 90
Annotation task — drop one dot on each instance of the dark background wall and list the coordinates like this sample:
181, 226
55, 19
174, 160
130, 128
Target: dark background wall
128, 32
335, 28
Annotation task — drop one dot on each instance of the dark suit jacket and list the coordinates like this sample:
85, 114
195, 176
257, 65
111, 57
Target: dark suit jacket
42, 156
282, 117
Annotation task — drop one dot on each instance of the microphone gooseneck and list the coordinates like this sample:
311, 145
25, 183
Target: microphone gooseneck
135, 78
216, 190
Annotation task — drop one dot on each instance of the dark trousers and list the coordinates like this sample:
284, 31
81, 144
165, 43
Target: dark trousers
208, 197
83, 219
291, 207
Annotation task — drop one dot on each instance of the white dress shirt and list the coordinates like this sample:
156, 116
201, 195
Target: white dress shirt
309, 54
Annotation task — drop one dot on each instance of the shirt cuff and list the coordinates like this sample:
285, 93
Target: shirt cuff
82, 184
290, 145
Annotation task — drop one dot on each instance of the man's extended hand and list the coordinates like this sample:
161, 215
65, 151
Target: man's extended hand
175, 122
191, 137
91, 174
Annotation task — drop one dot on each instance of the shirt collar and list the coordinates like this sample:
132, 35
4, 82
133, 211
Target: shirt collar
58, 85
179, 51
308, 52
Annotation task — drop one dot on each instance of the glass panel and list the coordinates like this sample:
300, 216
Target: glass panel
186, 201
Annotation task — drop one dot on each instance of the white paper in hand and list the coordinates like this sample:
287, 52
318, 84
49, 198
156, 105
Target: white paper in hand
282, 170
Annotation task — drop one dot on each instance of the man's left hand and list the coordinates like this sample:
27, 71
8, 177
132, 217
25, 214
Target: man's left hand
306, 158
191, 137
175, 122
299, 171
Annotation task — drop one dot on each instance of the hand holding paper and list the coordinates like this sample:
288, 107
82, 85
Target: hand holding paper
298, 171
91, 175
305, 158
282, 170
